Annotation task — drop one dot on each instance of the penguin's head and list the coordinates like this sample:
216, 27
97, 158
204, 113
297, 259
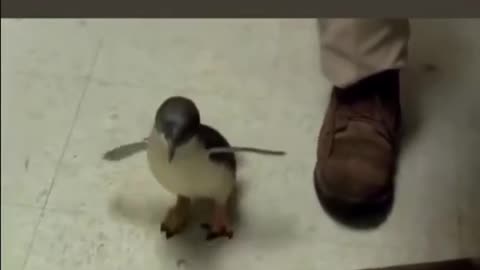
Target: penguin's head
178, 121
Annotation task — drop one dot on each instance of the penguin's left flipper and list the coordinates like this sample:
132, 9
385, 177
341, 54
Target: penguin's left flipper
212, 138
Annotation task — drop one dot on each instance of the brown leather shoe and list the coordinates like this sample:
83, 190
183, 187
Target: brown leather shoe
357, 145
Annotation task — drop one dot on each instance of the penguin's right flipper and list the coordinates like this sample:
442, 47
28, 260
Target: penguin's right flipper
124, 151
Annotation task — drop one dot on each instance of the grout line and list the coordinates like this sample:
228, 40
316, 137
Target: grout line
21, 205
66, 210
92, 78
459, 221
64, 149
72, 127
458, 213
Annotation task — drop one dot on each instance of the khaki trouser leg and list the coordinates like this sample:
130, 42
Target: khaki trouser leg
353, 49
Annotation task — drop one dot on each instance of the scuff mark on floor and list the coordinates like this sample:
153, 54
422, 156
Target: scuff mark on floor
429, 68
181, 263
27, 163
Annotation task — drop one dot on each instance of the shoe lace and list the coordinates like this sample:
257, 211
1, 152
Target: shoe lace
358, 106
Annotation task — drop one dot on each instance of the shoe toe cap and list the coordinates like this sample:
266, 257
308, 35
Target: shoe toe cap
359, 171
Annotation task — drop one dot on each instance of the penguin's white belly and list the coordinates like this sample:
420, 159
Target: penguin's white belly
191, 173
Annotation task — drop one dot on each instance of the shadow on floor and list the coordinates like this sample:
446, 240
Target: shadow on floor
433, 60
191, 247
460, 264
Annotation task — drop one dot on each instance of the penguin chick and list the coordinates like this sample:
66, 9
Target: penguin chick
179, 158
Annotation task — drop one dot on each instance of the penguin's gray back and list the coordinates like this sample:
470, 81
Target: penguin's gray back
193, 173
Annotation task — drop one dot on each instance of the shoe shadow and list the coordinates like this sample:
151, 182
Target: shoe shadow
433, 60
359, 218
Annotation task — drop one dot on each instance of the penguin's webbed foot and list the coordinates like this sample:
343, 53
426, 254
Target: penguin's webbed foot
176, 218
217, 233
220, 225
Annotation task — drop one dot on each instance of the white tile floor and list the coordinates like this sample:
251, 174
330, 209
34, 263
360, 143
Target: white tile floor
72, 89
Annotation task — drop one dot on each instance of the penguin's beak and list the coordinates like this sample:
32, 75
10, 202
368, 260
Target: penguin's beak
172, 134
171, 151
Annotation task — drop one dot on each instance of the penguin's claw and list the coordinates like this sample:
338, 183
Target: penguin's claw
223, 231
168, 233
